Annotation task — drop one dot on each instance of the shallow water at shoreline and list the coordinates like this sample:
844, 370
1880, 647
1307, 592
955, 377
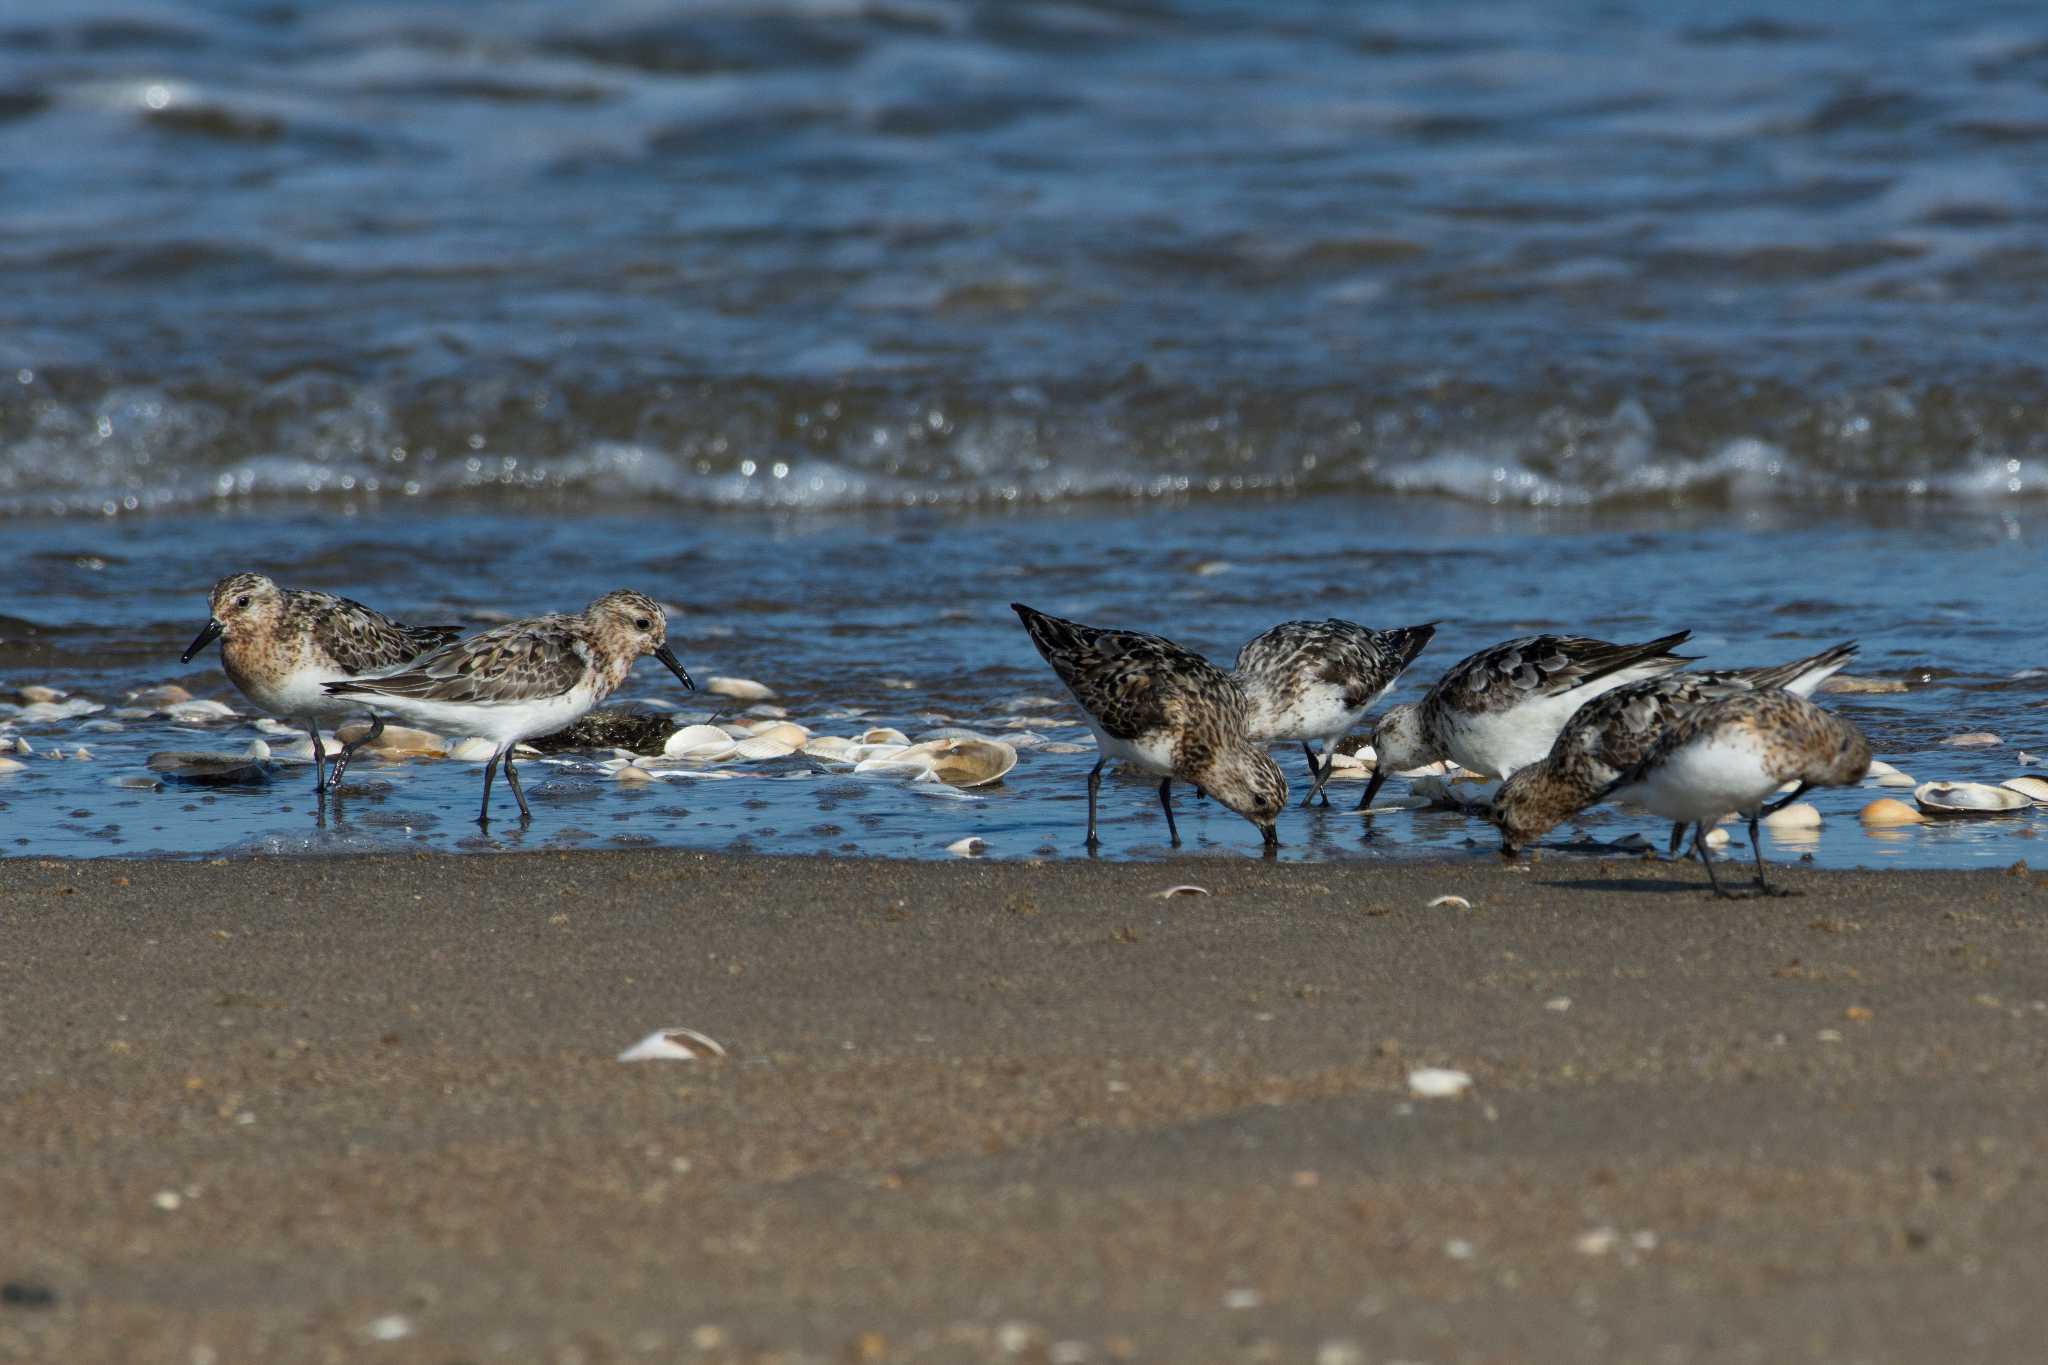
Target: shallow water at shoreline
901, 619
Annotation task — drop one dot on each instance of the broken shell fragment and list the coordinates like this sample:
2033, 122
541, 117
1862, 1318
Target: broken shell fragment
1887, 811
631, 773
1450, 903
967, 848
1186, 889
2035, 789
1438, 1083
1968, 798
1798, 815
674, 1045
395, 741
739, 689
1975, 739
965, 762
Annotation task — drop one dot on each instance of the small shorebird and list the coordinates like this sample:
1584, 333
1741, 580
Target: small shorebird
280, 646
1165, 710
1729, 757
526, 678
1315, 680
1615, 731
1502, 708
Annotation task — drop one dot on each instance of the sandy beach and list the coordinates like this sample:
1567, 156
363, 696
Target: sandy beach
369, 1109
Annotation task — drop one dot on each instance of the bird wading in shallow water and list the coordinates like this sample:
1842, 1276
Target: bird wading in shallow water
1502, 708
1166, 711
282, 646
1315, 680
525, 679
1615, 731
1728, 757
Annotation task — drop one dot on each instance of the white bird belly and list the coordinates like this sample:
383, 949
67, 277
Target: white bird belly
504, 722
1315, 712
1153, 753
1707, 779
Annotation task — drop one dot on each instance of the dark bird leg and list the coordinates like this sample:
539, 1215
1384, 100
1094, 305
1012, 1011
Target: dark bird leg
1677, 838
1372, 787
512, 776
1319, 773
1756, 844
1699, 846
348, 750
319, 755
1166, 804
1094, 785
483, 817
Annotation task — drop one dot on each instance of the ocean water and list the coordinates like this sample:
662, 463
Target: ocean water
839, 324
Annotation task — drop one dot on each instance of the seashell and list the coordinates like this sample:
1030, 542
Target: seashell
1884, 774
210, 769
734, 730
699, 742
1886, 811
81, 754
831, 748
132, 782
2025, 759
1798, 815
22, 746
968, 847
396, 740
885, 734
755, 748
1438, 1083
1975, 739
11, 765
1209, 568
631, 773
898, 763
1062, 747
767, 711
167, 694
674, 1045
1441, 768
199, 711
782, 731
1450, 902
860, 753
898, 684
472, 749
1968, 798
102, 727
1347, 763
35, 694
1716, 838
59, 710
1186, 889
739, 689
2035, 789
966, 762
259, 750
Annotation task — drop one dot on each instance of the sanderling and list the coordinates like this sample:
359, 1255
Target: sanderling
1501, 709
1315, 680
1730, 756
1615, 731
1165, 710
280, 646
525, 678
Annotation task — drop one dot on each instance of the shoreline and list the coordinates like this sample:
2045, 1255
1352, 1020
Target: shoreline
282, 1108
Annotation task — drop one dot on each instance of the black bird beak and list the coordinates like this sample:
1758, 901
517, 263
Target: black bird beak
675, 666
1270, 837
206, 637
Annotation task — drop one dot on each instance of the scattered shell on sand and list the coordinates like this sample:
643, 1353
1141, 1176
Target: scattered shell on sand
783, 732
831, 748
1450, 903
754, 748
1798, 815
1975, 739
2035, 789
674, 1045
967, 848
885, 734
39, 711
1185, 889
964, 762
739, 689
1968, 798
1438, 1083
701, 743
397, 741
1887, 811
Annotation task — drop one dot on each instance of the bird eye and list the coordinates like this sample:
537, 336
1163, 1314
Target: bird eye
642, 623
242, 601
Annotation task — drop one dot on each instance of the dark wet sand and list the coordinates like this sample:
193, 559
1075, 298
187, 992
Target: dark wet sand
998, 1111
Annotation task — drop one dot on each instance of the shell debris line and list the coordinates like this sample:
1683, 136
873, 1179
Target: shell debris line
674, 1045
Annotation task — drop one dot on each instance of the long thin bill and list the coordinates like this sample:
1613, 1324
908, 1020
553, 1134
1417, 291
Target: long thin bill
206, 637
675, 665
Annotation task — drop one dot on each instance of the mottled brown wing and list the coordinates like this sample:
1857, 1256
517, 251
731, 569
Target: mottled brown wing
361, 640
541, 657
1541, 665
1125, 679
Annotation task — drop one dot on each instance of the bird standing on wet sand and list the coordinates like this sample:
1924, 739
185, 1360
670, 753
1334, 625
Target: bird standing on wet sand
526, 678
1165, 710
1502, 708
1315, 680
1729, 756
1615, 731
281, 646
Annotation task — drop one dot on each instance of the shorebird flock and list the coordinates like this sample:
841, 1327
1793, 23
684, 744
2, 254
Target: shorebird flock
1566, 721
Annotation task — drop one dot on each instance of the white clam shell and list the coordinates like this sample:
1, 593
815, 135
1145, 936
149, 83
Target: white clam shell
1968, 798
858, 754
739, 689
1716, 838
885, 734
1438, 1083
673, 1045
1886, 812
11, 765
897, 763
700, 742
1975, 739
631, 773
2035, 789
400, 740
203, 709
1798, 815
472, 749
1185, 889
1450, 903
965, 762
754, 748
967, 848
785, 732
68, 710
831, 748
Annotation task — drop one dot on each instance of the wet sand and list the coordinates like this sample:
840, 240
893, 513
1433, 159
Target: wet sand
368, 1109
